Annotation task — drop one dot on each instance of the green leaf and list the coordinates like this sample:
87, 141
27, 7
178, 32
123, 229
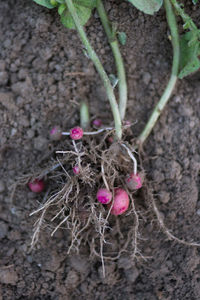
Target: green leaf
61, 1
113, 80
190, 50
45, 3
61, 8
122, 38
83, 13
86, 3
147, 6
54, 3
194, 1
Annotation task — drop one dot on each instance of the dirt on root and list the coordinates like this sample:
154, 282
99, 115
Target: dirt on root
43, 77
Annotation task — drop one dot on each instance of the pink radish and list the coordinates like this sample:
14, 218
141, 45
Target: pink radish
127, 123
55, 133
134, 181
120, 202
97, 122
36, 186
76, 133
76, 170
104, 196
110, 139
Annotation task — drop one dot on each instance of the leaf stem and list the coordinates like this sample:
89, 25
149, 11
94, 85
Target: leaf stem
118, 58
84, 115
171, 19
93, 56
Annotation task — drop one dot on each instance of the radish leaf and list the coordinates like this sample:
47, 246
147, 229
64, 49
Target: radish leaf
45, 3
147, 6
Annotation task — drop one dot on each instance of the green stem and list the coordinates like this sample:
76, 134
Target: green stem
93, 56
118, 58
84, 115
171, 19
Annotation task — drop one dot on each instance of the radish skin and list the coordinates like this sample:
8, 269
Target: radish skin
36, 186
76, 133
134, 181
97, 123
120, 202
104, 196
76, 170
56, 133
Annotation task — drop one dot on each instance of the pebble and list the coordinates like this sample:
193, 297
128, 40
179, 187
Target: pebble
7, 100
24, 121
146, 78
22, 74
8, 275
72, 279
4, 230
164, 197
124, 263
22, 89
13, 131
2, 186
132, 274
198, 212
14, 235
2, 65
3, 78
30, 133
80, 264
40, 143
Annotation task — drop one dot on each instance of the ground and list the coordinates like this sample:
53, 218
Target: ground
43, 76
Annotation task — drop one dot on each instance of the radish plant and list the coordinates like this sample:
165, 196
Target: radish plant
89, 153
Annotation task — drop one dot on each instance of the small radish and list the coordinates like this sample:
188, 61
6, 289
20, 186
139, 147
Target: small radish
36, 186
76, 133
134, 181
104, 196
110, 139
120, 202
76, 170
97, 122
127, 123
55, 133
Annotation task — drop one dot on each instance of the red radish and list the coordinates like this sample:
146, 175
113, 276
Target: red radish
97, 122
76, 170
36, 186
104, 196
55, 133
134, 181
120, 202
127, 123
110, 139
76, 133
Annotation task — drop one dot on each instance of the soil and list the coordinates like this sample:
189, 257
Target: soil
44, 75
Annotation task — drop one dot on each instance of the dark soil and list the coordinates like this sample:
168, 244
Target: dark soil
43, 76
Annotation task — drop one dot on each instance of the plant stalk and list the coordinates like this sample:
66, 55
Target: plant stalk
171, 19
118, 58
93, 56
84, 115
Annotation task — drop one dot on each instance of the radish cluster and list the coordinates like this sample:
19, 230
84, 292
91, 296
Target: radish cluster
120, 201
